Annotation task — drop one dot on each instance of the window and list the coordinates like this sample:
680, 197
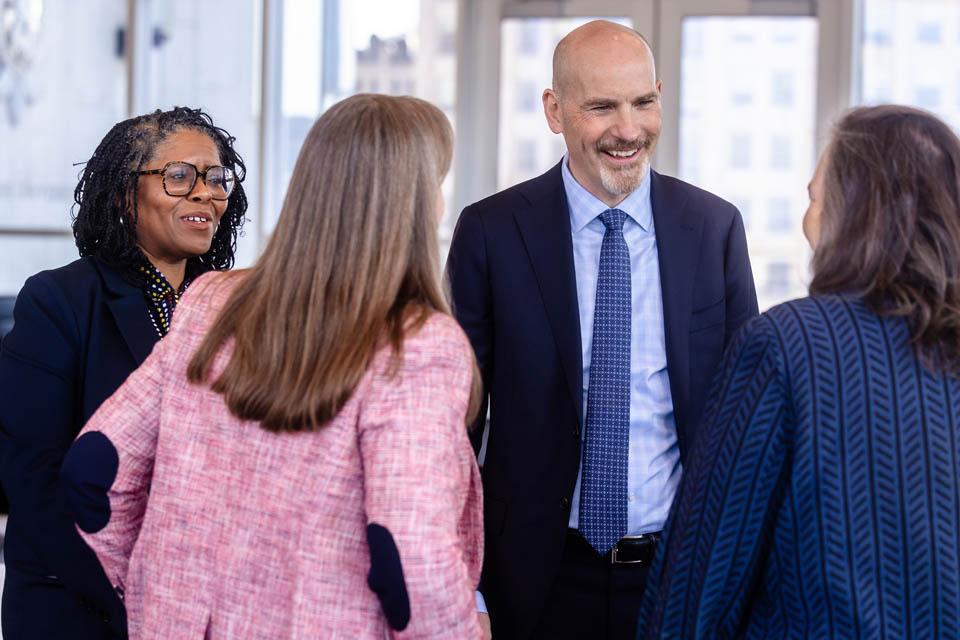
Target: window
780, 153
783, 88
528, 40
785, 37
927, 98
740, 151
55, 107
528, 97
882, 95
780, 218
879, 38
526, 157
332, 49
759, 156
915, 62
778, 279
928, 33
693, 44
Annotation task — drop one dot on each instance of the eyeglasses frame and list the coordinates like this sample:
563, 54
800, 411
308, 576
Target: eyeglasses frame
197, 175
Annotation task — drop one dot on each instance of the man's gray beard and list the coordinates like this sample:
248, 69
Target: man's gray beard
622, 182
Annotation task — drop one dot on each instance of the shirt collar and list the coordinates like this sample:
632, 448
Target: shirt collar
584, 206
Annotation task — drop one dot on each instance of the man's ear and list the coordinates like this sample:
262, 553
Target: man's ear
551, 109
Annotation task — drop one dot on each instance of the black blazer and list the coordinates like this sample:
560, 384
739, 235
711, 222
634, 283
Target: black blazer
513, 287
79, 331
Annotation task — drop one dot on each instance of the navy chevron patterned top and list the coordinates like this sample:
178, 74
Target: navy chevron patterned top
823, 501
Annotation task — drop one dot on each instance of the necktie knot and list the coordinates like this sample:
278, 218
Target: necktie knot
613, 219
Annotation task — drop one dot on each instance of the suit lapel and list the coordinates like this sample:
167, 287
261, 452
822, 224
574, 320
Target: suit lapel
545, 229
678, 231
129, 310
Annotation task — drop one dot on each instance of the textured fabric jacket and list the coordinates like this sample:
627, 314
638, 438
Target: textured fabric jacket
216, 528
823, 499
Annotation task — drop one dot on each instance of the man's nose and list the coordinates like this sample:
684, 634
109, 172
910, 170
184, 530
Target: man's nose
627, 124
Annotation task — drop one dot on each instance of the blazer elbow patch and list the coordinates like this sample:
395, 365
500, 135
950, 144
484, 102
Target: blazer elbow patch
89, 470
386, 576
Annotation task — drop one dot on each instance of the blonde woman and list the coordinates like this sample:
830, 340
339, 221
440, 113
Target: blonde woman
293, 461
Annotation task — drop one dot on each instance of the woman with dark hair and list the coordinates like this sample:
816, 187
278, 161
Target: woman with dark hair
824, 499
292, 461
159, 203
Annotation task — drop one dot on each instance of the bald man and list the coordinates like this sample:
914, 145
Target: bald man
598, 297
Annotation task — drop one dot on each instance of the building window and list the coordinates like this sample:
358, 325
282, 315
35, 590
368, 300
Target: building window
528, 97
526, 156
928, 33
529, 40
780, 153
740, 151
783, 88
878, 38
778, 279
779, 218
785, 37
880, 95
927, 97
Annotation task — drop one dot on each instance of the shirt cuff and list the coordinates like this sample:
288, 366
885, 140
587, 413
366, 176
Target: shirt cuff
481, 603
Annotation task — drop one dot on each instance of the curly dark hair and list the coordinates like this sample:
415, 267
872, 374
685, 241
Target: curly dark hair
105, 218
891, 224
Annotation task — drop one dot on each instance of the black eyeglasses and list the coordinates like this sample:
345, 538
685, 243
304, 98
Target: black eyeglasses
179, 179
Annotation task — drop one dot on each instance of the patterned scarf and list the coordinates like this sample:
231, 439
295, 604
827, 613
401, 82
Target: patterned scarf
160, 295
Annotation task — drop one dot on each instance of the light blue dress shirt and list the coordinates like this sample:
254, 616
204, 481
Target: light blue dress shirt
654, 457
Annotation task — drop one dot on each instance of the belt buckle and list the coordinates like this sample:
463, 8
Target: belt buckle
613, 551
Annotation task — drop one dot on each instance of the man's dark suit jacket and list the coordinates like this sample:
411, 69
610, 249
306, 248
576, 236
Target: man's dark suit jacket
79, 331
513, 287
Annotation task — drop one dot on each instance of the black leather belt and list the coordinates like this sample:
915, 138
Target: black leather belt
638, 550
633, 550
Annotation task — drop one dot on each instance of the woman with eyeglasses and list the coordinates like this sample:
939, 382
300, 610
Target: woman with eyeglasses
158, 204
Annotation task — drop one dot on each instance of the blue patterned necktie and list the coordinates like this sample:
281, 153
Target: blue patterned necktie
603, 481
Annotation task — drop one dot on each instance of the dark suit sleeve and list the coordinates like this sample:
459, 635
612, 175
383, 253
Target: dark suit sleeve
741, 292
719, 532
471, 300
39, 369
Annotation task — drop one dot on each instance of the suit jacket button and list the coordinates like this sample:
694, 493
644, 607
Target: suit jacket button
565, 502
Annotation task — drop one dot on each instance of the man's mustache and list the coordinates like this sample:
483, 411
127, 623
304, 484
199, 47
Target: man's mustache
640, 142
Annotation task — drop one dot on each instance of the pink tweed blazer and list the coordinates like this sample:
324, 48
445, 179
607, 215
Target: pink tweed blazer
220, 529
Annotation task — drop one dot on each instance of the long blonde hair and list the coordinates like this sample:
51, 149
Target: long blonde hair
353, 263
